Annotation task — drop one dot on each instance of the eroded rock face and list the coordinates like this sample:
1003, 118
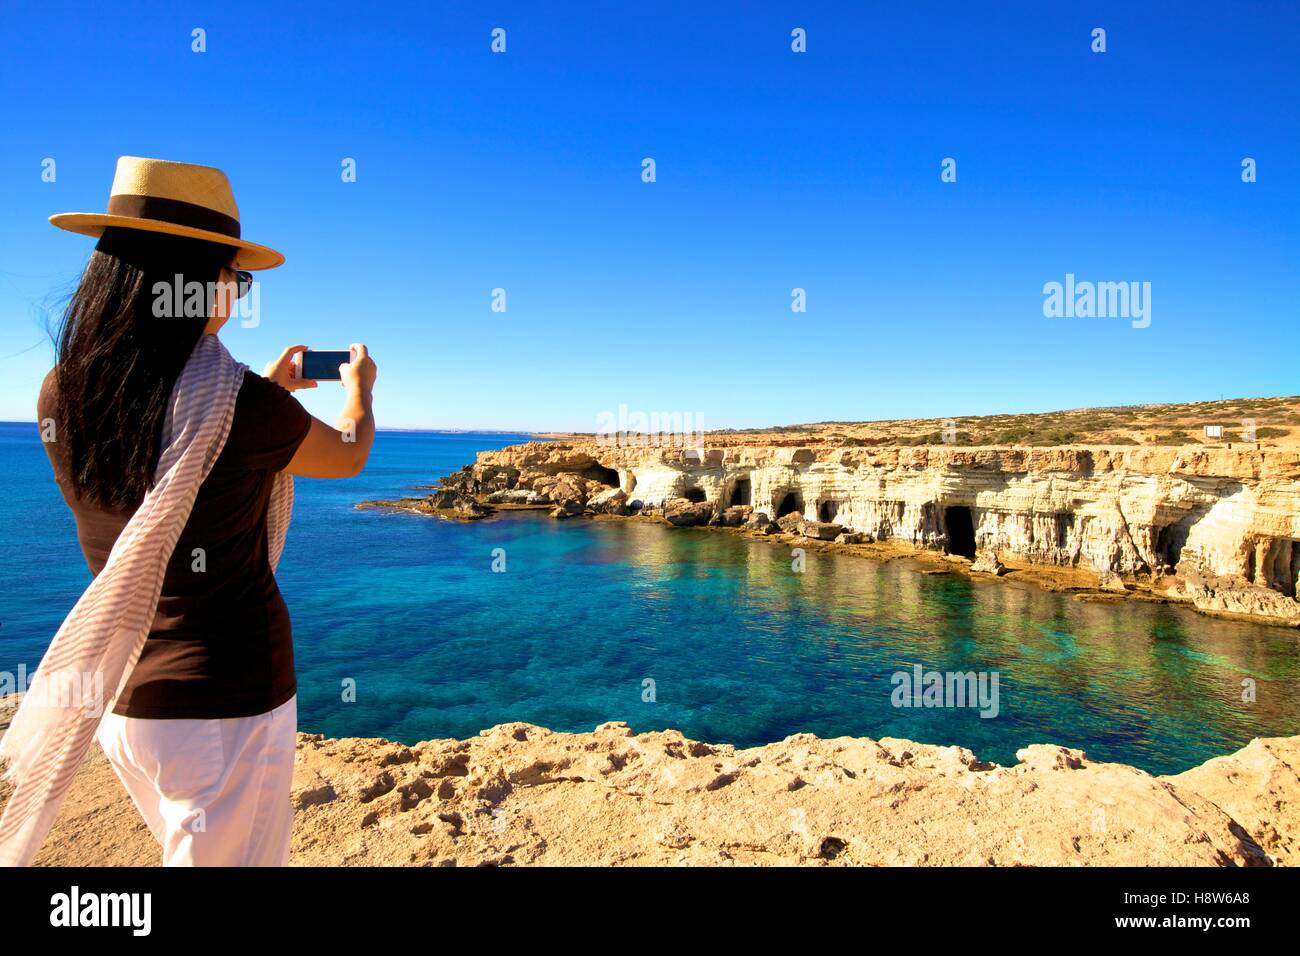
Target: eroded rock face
1229, 595
733, 517
1216, 527
521, 795
1258, 787
791, 523
455, 501
569, 509
683, 512
612, 501
1231, 514
517, 496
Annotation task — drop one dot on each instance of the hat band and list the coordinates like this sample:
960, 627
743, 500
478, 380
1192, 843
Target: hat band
175, 211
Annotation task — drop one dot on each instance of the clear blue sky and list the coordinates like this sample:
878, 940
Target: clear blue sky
775, 170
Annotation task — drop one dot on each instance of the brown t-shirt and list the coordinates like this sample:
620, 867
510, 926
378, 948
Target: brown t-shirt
221, 643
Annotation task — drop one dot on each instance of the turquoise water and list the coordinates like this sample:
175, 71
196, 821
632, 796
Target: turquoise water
741, 649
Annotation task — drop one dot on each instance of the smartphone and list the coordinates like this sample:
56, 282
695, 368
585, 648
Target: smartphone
323, 366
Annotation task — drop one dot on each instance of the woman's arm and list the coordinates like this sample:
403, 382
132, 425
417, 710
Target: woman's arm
341, 451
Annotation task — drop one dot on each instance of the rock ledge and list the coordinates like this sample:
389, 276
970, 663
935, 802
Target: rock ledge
522, 795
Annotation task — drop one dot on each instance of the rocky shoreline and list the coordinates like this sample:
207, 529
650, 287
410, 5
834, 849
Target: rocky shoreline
522, 795
1151, 524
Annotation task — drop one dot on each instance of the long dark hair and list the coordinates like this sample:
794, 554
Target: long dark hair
120, 351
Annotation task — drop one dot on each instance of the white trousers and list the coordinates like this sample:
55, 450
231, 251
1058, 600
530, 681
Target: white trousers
213, 792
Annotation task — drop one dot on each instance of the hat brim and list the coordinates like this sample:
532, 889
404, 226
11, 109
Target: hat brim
251, 255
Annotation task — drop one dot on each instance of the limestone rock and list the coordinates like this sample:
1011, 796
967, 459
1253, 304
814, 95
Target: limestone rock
565, 488
1134, 511
683, 512
1231, 595
454, 504
1259, 787
821, 530
517, 496
791, 523
735, 516
567, 509
1110, 581
613, 501
986, 562
522, 795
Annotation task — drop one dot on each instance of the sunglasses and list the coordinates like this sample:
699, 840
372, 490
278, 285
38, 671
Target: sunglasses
243, 282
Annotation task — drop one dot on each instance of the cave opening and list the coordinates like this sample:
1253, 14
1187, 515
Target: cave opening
606, 476
961, 531
1169, 543
694, 494
789, 505
740, 492
828, 510
1281, 566
1064, 525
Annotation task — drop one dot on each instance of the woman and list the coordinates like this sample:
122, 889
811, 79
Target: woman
202, 730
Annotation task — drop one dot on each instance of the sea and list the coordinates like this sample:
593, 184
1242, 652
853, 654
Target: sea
414, 627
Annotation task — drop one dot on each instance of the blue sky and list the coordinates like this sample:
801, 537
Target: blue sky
775, 170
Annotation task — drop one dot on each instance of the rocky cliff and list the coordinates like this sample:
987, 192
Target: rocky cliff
1217, 527
521, 795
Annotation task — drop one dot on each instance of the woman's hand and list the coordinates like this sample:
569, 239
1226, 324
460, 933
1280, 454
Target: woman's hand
283, 371
341, 451
361, 371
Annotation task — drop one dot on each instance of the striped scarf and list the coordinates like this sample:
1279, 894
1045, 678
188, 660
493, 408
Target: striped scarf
100, 641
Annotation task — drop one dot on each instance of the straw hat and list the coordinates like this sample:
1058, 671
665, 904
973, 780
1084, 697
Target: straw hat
177, 198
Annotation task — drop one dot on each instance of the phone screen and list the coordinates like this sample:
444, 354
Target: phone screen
324, 366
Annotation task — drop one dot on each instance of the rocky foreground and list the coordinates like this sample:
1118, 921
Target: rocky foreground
521, 795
